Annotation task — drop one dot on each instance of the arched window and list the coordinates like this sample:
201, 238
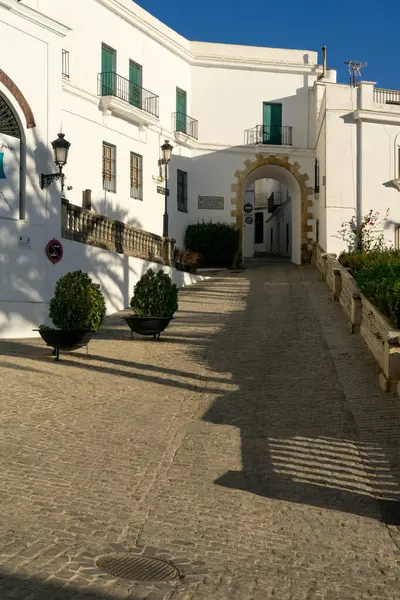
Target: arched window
12, 164
8, 122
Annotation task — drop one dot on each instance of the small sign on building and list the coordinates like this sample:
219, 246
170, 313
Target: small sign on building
211, 202
248, 208
161, 190
54, 251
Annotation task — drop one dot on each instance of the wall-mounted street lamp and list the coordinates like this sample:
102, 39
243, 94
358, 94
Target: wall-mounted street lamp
60, 149
166, 149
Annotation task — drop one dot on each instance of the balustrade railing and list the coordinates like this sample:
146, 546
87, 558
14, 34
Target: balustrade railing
382, 96
93, 229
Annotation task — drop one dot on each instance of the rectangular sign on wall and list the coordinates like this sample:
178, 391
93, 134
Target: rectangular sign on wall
9, 176
211, 202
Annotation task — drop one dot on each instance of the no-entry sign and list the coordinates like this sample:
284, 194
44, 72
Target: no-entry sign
54, 251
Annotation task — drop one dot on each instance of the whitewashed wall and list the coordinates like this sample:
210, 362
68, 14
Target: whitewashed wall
35, 70
116, 274
358, 152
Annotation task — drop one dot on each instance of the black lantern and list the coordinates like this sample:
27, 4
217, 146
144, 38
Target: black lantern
60, 148
166, 149
166, 152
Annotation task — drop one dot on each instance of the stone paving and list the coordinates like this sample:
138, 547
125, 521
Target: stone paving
251, 445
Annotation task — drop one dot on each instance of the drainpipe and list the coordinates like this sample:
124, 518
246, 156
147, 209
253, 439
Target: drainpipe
359, 189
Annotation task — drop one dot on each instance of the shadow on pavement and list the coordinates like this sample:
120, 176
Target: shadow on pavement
298, 437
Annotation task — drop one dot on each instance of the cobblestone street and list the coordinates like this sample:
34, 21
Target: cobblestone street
251, 445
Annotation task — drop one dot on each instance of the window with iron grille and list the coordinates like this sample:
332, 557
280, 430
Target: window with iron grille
316, 176
182, 190
109, 167
136, 176
65, 64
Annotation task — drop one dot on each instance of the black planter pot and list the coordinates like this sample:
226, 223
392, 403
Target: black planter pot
148, 325
65, 340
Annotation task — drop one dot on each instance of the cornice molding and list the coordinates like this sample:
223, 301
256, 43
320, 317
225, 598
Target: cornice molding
203, 59
377, 116
36, 17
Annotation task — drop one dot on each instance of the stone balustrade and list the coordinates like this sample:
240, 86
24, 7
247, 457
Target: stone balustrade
379, 335
93, 229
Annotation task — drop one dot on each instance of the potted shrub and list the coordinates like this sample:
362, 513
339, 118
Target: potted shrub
186, 260
76, 309
154, 302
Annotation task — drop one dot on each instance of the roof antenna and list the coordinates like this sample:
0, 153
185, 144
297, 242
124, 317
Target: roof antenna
355, 70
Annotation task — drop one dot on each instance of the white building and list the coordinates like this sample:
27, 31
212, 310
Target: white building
117, 82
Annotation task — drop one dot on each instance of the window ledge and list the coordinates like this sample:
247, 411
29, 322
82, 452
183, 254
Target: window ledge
128, 112
183, 139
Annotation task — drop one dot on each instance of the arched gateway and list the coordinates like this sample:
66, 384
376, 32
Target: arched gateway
287, 173
13, 108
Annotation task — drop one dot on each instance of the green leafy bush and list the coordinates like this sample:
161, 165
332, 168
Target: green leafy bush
217, 243
77, 303
359, 260
155, 295
378, 277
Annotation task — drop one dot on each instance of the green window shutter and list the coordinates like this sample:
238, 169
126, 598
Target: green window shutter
107, 71
135, 84
181, 108
272, 123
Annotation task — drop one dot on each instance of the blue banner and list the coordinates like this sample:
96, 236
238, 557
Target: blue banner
2, 174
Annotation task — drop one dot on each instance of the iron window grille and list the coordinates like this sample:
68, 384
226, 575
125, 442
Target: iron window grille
182, 190
109, 167
136, 176
316, 176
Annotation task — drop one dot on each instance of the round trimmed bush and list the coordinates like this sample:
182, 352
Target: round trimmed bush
155, 295
78, 303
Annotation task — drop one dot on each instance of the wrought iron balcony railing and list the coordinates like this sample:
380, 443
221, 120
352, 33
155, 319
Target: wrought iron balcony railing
185, 124
112, 84
269, 134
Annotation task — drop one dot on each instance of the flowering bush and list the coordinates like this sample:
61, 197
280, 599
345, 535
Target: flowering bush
368, 236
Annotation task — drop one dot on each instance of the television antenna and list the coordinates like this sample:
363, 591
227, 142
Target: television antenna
355, 70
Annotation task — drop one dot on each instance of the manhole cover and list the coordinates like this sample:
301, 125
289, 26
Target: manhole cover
137, 568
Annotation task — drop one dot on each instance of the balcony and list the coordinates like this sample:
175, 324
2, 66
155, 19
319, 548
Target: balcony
126, 99
186, 129
269, 135
274, 200
382, 96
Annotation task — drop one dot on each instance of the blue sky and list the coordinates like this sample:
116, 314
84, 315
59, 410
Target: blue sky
360, 30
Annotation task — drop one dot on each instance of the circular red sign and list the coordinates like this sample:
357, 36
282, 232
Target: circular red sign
54, 251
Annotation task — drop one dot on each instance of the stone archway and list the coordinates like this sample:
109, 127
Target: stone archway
306, 192
20, 99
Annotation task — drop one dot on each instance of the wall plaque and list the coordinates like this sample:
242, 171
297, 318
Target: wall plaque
211, 202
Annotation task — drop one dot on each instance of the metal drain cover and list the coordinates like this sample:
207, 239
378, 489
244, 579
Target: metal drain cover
137, 568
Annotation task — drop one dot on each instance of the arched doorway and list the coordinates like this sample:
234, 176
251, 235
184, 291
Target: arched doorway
11, 163
287, 173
